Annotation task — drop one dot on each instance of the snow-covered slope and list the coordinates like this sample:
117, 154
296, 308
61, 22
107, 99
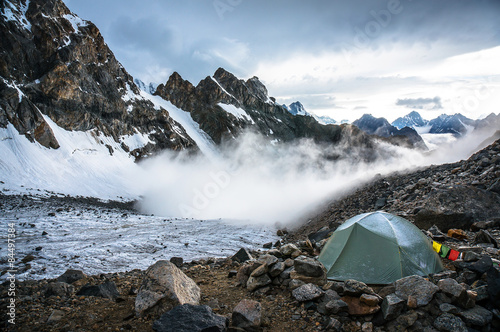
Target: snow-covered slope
87, 163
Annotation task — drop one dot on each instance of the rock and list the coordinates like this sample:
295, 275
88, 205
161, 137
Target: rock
477, 316
454, 290
242, 256
165, 286
417, 287
177, 261
367, 327
467, 276
392, 306
295, 283
288, 249
257, 282
58, 288
482, 265
333, 325
402, 322
232, 273
471, 256
106, 290
276, 269
448, 308
268, 245
436, 233
267, 259
307, 292
358, 308
190, 318
56, 316
485, 237
275, 252
286, 273
309, 267
356, 288
457, 234
493, 280
480, 287
449, 323
244, 272
70, 276
323, 233
259, 271
370, 300
247, 315
320, 281
330, 295
335, 307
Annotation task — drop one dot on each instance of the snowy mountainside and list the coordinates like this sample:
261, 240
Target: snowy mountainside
411, 120
57, 66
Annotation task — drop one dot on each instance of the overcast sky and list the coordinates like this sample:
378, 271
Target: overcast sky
339, 58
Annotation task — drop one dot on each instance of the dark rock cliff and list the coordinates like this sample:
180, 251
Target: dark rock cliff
55, 64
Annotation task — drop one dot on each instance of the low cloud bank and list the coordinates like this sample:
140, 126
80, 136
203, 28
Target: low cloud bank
258, 182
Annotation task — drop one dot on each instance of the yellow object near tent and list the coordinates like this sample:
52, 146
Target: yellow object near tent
378, 248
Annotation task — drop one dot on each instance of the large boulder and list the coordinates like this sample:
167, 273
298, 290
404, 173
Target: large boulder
247, 315
164, 287
416, 287
190, 318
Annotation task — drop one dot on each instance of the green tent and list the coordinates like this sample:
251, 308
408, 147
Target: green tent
378, 248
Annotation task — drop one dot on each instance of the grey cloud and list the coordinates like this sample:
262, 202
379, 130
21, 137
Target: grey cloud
181, 34
421, 103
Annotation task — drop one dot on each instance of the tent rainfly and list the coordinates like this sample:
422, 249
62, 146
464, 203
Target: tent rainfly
378, 248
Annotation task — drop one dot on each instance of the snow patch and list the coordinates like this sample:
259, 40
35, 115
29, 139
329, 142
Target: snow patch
12, 13
192, 128
236, 111
75, 21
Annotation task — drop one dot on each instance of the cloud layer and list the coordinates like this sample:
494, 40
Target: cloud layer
333, 55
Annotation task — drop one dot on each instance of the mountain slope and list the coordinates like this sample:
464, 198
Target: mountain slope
54, 63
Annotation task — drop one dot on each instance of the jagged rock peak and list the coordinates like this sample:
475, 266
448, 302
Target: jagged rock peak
257, 87
222, 74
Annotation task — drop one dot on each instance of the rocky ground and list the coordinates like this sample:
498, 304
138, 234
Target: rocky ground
283, 287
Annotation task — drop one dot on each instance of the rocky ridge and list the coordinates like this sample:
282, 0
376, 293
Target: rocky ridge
212, 101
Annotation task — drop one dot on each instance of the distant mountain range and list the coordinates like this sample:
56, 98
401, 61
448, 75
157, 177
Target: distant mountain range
456, 124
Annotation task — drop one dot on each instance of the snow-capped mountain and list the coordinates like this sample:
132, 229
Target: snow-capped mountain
297, 108
324, 119
381, 127
411, 120
455, 124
